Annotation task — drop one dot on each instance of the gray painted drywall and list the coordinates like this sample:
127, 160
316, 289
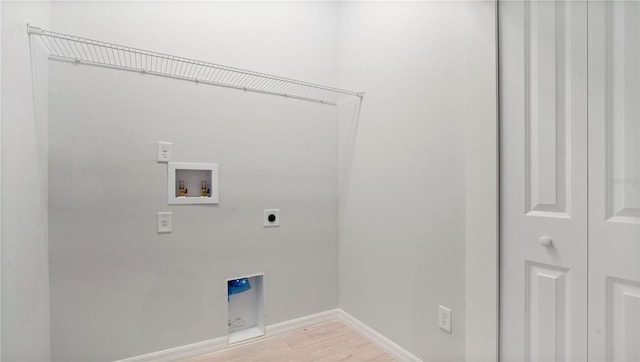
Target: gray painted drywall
403, 204
481, 190
25, 260
403, 173
119, 289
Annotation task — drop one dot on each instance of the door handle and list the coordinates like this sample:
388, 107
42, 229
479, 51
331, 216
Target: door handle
546, 241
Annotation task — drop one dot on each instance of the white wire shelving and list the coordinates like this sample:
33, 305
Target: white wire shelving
95, 52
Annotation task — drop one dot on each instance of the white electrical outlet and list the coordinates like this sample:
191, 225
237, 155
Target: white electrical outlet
271, 218
236, 322
164, 222
444, 318
164, 151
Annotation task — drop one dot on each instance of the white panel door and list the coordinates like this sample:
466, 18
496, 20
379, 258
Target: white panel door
614, 181
543, 110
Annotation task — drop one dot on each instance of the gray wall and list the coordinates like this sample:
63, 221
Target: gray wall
481, 191
426, 68
119, 289
25, 259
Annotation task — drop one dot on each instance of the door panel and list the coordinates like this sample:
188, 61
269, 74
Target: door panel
548, 318
614, 180
543, 85
546, 123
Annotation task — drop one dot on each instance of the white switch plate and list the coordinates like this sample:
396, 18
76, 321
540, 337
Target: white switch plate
275, 213
444, 318
164, 222
164, 151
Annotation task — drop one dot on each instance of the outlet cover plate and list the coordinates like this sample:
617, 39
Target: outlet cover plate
268, 212
444, 318
164, 222
164, 151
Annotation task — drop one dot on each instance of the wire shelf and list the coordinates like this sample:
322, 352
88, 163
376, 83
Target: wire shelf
89, 51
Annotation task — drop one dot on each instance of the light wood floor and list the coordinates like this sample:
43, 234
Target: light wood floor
332, 341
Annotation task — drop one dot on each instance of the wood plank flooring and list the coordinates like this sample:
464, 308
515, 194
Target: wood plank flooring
332, 341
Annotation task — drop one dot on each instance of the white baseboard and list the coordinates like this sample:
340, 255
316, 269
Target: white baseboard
395, 351
177, 353
302, 322
219, 344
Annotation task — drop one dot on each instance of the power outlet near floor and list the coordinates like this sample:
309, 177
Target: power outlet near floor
444, 318
236, 322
